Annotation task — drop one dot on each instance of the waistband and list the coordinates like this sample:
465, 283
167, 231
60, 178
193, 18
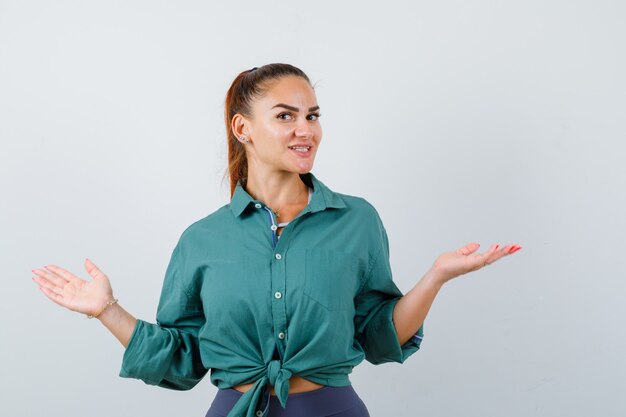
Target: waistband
322, 401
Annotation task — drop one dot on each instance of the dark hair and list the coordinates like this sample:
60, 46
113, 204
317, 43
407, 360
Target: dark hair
248, 86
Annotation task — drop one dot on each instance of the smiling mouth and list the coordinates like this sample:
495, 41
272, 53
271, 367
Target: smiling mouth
300, 148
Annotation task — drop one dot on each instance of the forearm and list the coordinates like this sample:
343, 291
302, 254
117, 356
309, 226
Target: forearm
411, 310
119, 322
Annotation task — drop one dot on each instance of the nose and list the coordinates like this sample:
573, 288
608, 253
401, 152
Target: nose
304, 129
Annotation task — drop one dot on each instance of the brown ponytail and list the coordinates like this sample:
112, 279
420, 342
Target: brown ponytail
246, 87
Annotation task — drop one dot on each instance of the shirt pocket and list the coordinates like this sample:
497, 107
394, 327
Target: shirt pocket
332, 277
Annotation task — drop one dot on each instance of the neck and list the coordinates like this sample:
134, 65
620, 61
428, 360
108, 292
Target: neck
276, 188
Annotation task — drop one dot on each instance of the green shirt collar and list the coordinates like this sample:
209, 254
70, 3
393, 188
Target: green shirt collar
321, 199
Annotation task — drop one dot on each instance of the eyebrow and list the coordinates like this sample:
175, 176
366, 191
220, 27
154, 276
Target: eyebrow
295, 108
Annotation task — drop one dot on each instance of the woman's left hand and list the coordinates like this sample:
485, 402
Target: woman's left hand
452, 264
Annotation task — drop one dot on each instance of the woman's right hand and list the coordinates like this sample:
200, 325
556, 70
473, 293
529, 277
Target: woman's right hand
72, 292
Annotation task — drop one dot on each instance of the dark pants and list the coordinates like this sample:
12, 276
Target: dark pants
322, 402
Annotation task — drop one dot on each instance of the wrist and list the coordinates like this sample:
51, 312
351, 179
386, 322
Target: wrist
109, 315
434, 278
106, 305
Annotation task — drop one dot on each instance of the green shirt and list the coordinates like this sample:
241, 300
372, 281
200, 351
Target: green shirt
251, 307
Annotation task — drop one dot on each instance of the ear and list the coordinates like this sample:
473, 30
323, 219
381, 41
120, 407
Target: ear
240, 126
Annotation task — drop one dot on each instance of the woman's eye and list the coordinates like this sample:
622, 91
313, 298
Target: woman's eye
284, 116
314, 116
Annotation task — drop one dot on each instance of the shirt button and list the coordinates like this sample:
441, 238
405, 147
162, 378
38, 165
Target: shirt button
257, 205
277, 294
279, 256
281, 335
273, 227
259, 413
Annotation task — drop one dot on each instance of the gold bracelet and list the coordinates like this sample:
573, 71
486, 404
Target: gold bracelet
109, 304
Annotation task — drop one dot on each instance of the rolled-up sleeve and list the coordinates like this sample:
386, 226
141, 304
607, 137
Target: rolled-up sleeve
374, 304
167, 353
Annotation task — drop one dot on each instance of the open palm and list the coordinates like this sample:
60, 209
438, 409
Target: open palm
72, 292
464, 260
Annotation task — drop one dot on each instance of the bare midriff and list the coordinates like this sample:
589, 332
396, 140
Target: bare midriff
296, 384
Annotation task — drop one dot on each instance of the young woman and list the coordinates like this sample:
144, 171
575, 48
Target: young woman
284, 290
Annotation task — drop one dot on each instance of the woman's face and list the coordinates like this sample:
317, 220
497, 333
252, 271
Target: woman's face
284, 129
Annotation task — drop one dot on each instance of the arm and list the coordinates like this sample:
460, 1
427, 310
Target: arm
165, 354
374, 308
410, 312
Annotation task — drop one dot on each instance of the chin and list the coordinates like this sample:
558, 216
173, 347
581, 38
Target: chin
304, 170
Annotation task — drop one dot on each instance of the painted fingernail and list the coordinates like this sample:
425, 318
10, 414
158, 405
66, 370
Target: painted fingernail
512, 249
496, 247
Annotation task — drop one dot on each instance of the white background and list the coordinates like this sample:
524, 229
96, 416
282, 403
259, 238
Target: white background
495, 122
